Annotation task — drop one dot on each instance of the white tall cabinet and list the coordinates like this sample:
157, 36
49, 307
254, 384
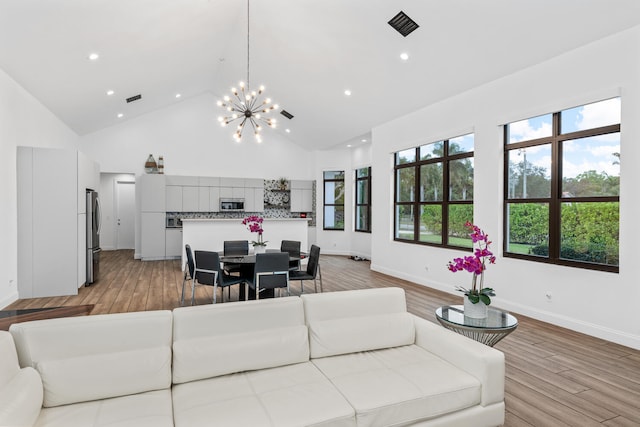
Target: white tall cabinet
153, 202
52, 220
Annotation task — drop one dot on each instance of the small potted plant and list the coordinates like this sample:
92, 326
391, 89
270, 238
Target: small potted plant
254, 225
282, 183
476, 298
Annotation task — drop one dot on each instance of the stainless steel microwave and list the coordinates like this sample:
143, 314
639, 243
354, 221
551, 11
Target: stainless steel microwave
227, 205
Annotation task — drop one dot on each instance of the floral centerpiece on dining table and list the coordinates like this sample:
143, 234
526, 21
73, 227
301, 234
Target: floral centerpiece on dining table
254, 225
475, 264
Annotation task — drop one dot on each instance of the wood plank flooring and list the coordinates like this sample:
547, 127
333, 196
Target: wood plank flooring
554, 376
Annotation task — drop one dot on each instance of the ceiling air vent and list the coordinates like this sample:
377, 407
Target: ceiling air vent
134, 98
403, 24
287, 114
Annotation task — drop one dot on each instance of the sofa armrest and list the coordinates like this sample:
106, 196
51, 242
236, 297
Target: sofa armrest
21, 399
483, 362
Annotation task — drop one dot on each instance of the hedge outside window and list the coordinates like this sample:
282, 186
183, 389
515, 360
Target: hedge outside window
562, 187
424, 212
333, 218
363, 200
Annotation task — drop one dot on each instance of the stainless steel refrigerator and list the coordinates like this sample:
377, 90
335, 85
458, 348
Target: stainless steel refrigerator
93, 236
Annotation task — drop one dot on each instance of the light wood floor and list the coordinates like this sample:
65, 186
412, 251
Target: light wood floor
555, 377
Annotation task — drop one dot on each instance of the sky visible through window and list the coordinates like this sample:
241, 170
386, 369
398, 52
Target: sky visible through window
598, 153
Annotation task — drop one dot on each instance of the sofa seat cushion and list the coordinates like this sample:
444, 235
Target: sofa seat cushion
399, 385
150, 409
293, 395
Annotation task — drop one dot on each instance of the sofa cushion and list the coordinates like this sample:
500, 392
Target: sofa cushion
399, 385
353, 334
225, 338
74, 379
293, 395
348, 321
238, 352
20, 389
150, 409
104, 348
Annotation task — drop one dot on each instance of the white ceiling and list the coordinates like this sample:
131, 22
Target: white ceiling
306, 53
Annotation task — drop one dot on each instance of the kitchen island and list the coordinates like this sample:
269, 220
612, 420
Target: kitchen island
210, 234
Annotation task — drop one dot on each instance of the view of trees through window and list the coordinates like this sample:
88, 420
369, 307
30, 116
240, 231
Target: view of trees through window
562, 186
363, 200
333, 218
424, 211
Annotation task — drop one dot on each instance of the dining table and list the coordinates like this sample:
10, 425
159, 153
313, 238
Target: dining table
247, 264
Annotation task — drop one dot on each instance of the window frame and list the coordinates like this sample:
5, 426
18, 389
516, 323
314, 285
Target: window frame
324, 198
556, 198
445, 202
366, 205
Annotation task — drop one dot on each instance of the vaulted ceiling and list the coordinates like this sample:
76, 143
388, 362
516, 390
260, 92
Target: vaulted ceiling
306, 53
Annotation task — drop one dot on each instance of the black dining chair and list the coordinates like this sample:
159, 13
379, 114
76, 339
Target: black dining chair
292, 247
189, 267
312, 272
235, 248
271, 272
207, 271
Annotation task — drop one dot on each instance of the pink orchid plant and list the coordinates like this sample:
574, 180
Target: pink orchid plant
254, 225
475, 264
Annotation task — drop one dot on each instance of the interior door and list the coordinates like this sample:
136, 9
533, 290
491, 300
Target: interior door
125, 215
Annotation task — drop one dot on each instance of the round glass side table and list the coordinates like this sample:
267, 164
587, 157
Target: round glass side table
497, 325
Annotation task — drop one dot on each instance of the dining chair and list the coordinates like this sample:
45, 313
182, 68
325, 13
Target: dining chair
234, 248
312, 272
207, 271
292, 247
189, 267
271, 271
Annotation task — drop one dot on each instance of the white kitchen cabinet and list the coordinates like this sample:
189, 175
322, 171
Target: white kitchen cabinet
214, 199
232, 182
209, 181
254, 200
226, 192
182, 180
301, 196
238, 192
174, 198
152, 235
51, 220
204, 196
190, 199
152, 193
173, 242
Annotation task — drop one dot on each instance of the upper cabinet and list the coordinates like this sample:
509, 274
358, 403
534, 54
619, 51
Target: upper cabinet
152, 193
301, 196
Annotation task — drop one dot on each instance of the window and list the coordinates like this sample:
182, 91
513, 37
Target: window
424, 212
363, 200
333, 218
562, 187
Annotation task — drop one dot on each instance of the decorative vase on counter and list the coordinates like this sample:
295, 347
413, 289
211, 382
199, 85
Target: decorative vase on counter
475, 311
150, 165
161, 165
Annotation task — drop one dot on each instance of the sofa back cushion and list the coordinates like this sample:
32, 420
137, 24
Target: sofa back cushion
360, 320
20, 389
97, 357
221, 339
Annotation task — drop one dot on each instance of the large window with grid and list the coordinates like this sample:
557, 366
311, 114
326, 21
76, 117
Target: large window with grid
434, 192
333, 200
562, 187
363, 200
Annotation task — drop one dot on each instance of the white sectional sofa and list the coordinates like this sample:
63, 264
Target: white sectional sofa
353, 358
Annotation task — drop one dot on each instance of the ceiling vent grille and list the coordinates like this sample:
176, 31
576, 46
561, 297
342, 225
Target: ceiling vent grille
134, 98
287, 114
403, 24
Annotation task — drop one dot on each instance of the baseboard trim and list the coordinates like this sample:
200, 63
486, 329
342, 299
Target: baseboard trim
9, 299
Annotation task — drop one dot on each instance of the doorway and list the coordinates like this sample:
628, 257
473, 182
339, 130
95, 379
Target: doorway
125, 214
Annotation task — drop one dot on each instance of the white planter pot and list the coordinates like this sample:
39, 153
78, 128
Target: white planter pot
259, 249
474, 311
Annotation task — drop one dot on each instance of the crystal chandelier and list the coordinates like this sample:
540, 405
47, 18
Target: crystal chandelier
246, 105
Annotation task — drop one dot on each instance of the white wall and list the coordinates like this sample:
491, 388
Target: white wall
193, 143
23, 121
598, 303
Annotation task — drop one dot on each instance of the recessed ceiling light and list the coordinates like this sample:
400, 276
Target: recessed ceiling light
287, 130
364, 140
347, 92
120, 115
348, 145
404, 56
178, 95
110, 92
93, 56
